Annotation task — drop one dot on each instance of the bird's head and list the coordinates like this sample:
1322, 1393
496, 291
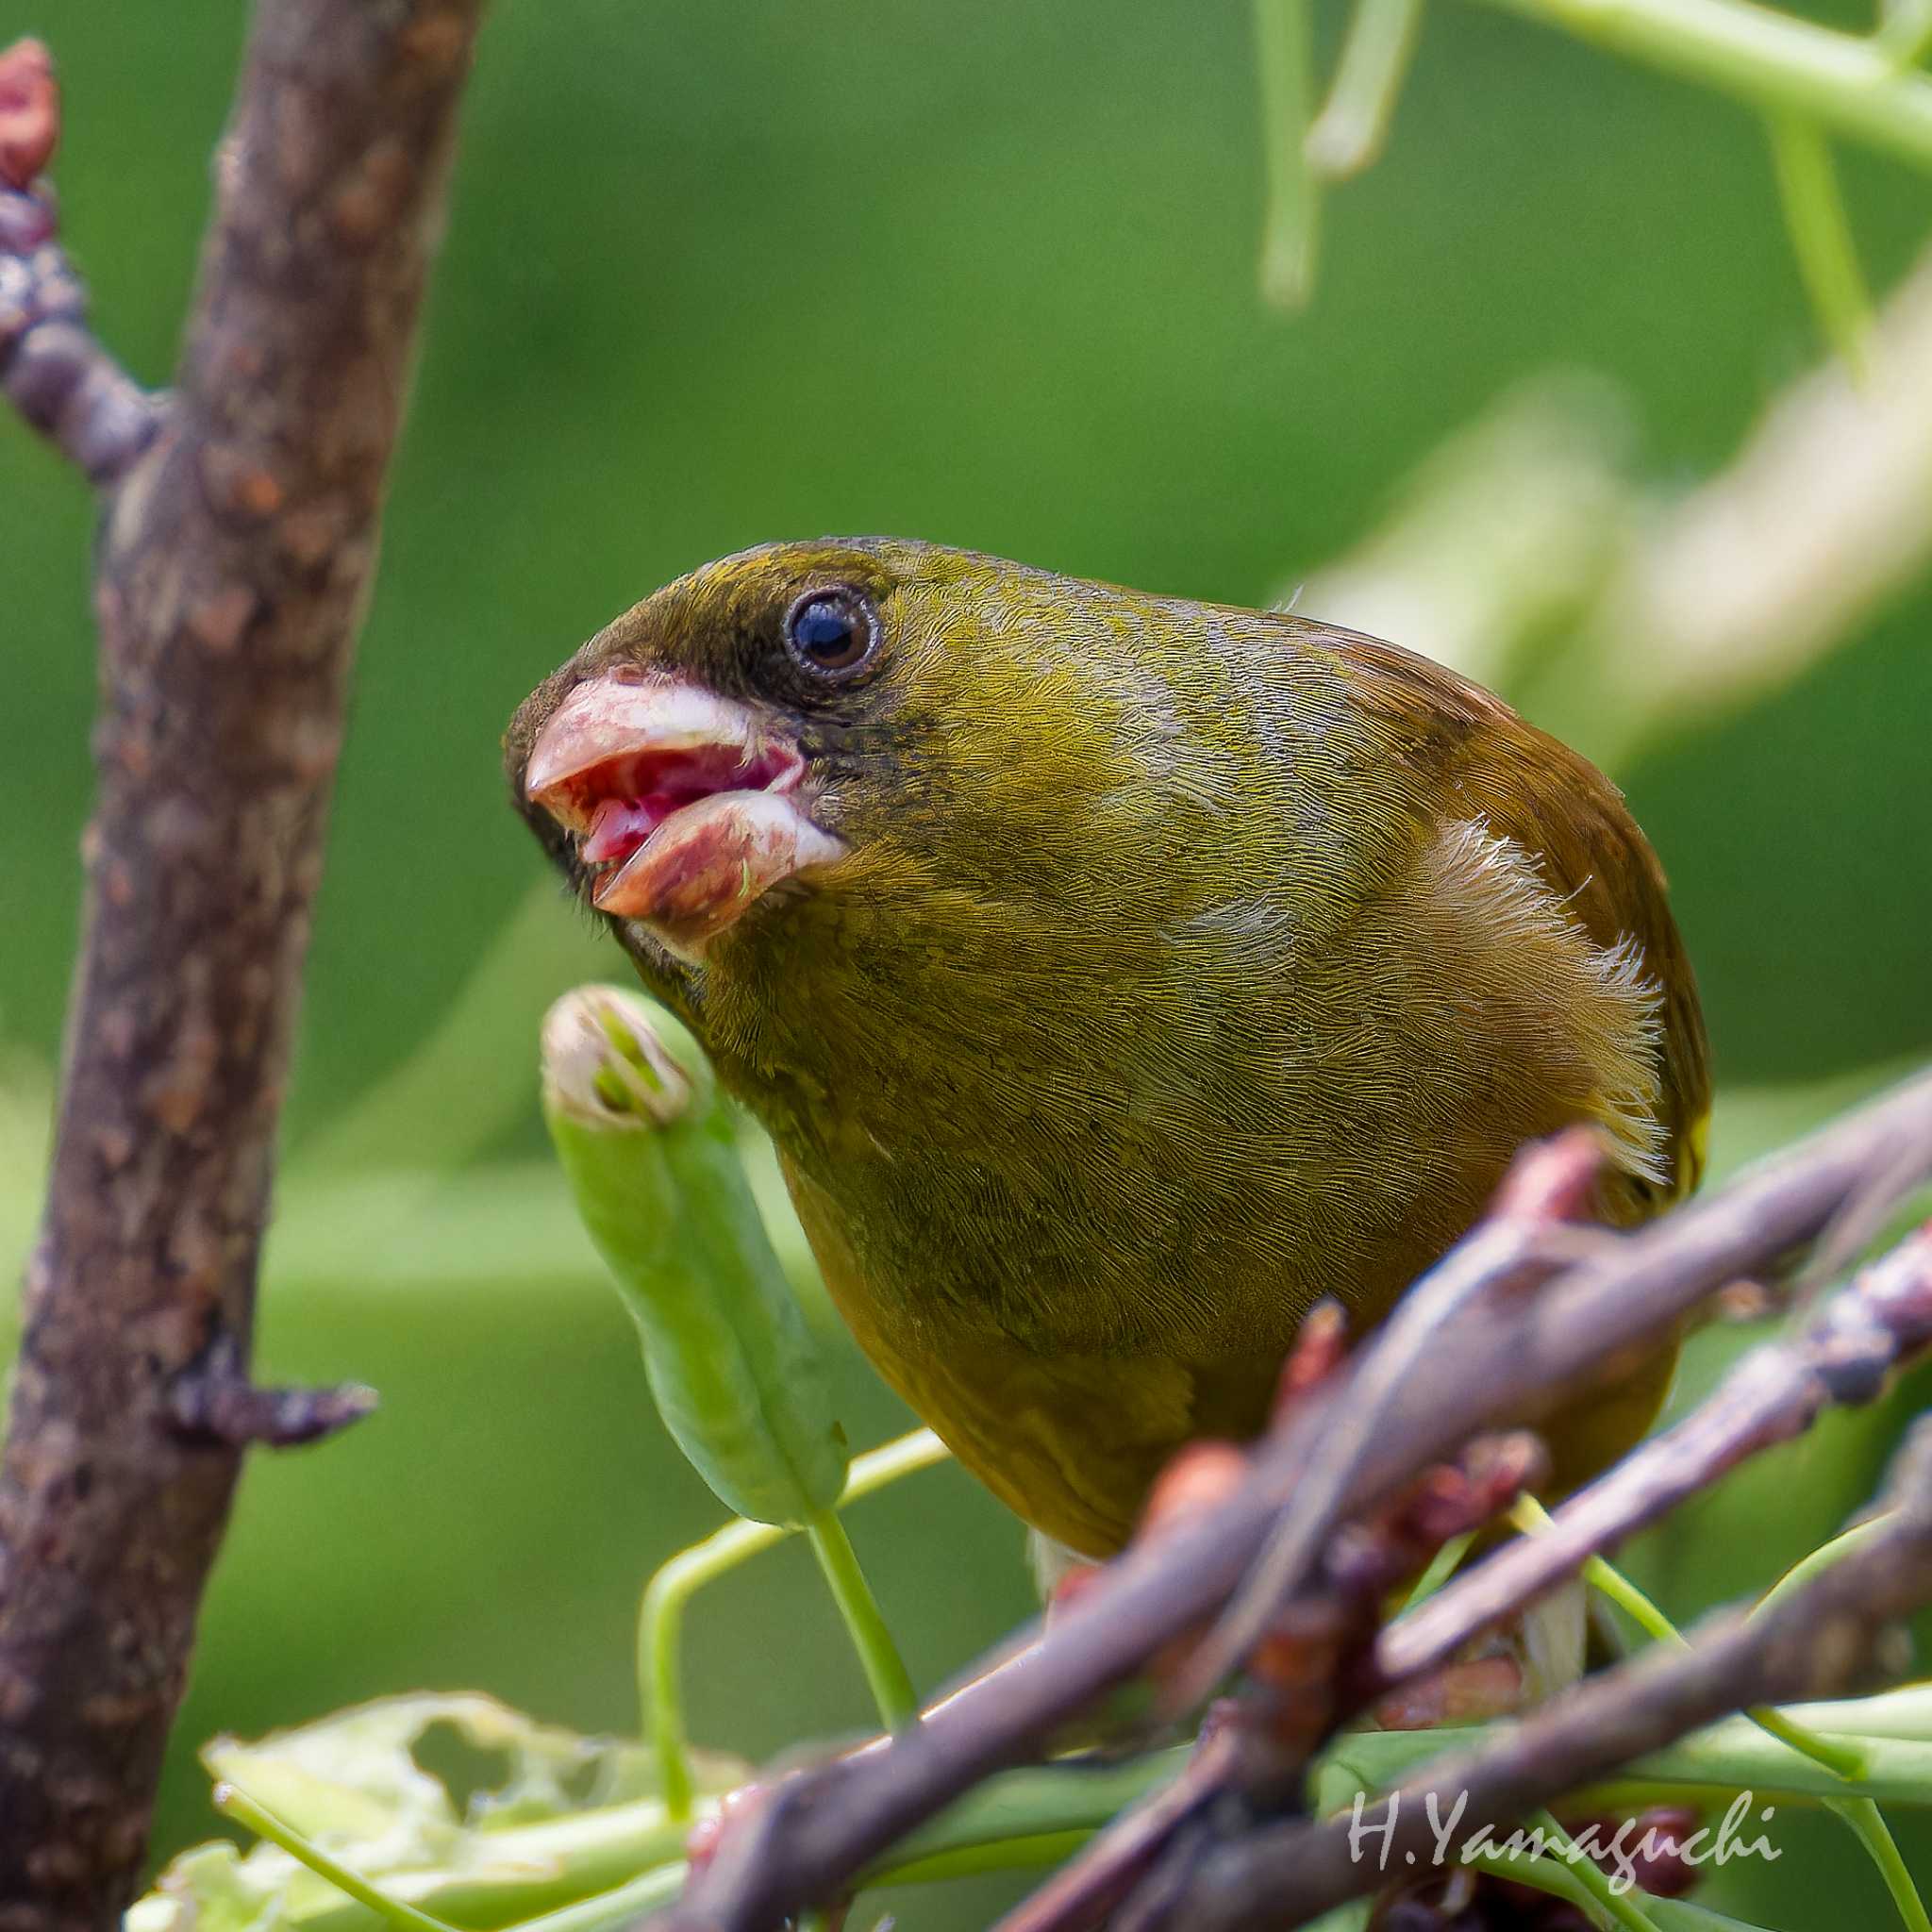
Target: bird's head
861, 735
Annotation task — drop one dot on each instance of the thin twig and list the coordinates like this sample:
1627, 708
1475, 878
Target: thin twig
1774, 1394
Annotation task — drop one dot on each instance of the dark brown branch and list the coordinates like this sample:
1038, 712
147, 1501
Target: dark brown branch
213, 1401
235, 556
1829, 1637
1505, 1358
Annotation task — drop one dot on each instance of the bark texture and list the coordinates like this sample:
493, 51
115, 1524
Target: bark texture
234, 559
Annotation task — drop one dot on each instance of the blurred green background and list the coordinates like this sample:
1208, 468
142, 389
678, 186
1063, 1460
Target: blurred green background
726, 273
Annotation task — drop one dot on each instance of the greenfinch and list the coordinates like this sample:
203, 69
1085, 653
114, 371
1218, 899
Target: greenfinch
1116, 976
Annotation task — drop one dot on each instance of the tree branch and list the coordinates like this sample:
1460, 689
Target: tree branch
1498, 1359
1821, 1639
1777, 1393
238, 543
1843, 1357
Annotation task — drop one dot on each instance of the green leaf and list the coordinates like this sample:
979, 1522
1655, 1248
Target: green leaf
554, 1818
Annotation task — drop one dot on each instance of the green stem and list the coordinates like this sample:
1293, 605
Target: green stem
1283, 37
232, 1802
1846, 1760
623, 1905
1770, 59
1728, 1756
661, 1617
1905, 32
1821, 235
1442, 1567
1350, 130
1860, 1815
660, 1643
1565, 1881
1868, 1825
1032, 1852
878, 1655
1531, 1517
1616, 1905
1821, 1560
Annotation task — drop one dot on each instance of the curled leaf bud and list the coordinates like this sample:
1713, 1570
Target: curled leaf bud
651, 1154
603, 1065
29, 112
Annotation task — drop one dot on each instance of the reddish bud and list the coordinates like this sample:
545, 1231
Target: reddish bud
1069, 1587
29, 112
1196, 1479
1320, 1348
1470, 1693
701, 1843
1554, 1179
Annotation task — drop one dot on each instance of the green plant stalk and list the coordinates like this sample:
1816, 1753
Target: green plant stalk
1442, 1567
1531, 1517
1032, 1852
878, 1655
1810, 1567
1350, 130
1822, 236
1905, 32
661, 1617
232, 1802
1618, 1907
1849, 84
558, 1860
1352, 1917
623, 1905
1867, 1823
1721, 1758
1284, 44
1861, 1816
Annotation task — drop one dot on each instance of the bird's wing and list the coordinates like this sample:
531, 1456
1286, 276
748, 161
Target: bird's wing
1487, 765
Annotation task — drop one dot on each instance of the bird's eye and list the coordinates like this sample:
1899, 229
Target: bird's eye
832, 632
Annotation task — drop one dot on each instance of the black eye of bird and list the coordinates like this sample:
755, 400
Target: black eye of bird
832, 632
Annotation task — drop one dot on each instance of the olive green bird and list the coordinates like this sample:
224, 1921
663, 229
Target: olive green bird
1116, 975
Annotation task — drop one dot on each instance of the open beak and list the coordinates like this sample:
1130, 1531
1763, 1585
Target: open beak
685, 806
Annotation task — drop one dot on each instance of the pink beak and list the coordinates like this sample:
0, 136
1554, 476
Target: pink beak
688, 804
